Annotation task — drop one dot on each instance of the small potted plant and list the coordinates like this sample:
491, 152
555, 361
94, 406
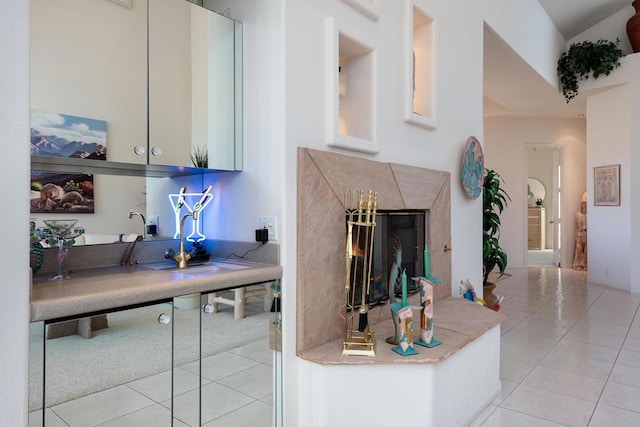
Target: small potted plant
584, 59
494, 200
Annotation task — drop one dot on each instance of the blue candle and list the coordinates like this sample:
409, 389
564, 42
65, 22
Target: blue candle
427, 272
404, 289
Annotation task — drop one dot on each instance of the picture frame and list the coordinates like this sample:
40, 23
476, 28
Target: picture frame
606, 185
61, 192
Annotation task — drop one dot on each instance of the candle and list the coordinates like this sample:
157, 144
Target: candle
427, 273
404, 288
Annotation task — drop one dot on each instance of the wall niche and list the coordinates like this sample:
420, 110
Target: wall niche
419, 65
351, 94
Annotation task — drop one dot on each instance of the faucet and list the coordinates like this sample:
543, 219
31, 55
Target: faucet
128, 252
181, 257
144, 222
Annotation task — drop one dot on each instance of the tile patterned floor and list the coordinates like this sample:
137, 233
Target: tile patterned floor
570, 353
237, 391
570, 356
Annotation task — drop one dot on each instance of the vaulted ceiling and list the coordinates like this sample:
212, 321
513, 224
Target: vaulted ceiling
513, 88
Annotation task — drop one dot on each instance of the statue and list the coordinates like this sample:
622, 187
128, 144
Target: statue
580, 258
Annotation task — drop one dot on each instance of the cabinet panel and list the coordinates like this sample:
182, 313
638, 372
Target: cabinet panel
536, 220
122, 371
192, 85
89, 59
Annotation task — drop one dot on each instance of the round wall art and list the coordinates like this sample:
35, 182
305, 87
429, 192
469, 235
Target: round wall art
472, 171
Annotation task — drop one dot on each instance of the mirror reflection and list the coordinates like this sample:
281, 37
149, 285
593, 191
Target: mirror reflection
162, 91
535, 192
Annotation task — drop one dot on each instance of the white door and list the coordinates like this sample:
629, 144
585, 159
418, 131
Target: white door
556, 207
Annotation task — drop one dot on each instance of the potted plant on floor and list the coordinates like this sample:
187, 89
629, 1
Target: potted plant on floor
494, 200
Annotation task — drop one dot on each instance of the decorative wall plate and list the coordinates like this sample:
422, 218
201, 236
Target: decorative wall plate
472, 170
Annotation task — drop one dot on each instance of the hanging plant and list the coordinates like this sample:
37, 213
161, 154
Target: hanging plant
584, 59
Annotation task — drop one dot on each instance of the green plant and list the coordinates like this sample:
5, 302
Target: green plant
494, 200
584, 59
200, 157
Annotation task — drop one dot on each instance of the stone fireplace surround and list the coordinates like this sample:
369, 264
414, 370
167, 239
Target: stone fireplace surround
323, 178
465, 368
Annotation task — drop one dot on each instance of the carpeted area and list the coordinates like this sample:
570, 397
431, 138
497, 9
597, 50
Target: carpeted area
135, 346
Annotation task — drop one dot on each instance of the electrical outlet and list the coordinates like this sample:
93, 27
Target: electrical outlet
271, 224
153, 220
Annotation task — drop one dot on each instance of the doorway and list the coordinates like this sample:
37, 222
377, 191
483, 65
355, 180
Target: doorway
543, 222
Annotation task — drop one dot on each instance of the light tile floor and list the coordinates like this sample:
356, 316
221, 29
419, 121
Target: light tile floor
236, 391
570, 356
570, 353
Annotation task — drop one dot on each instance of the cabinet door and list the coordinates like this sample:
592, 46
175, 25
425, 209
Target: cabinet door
121, 374
96, 68
192, 86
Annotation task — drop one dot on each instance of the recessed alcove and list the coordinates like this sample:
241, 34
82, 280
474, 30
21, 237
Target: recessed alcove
419, 65
350, 91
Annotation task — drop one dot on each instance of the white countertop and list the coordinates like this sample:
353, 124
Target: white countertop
106, 288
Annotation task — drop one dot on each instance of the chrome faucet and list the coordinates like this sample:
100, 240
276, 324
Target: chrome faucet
144, 222
181, 257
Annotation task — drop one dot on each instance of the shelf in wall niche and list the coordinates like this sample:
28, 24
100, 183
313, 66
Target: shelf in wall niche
350, 91
89, 166
368, 8
419, 88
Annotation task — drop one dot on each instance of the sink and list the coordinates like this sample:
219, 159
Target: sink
196, 266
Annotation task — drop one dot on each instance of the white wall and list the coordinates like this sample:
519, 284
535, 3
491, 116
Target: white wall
14, 264
528, 30
608, 227
612, 28
458, 43
505, 149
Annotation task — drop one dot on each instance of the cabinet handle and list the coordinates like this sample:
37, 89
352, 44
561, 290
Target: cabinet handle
164, 319
138, 150
207, 308
156, 151
447, 248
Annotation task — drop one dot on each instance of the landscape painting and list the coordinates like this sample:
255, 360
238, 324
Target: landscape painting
62, 135
59, 192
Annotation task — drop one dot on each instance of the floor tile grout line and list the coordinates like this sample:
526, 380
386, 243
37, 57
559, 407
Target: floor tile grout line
549, 351
613, 365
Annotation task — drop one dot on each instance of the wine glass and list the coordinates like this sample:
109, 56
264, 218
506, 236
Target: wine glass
61, 232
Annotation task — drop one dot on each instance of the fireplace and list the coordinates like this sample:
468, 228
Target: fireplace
323, 179
402, 229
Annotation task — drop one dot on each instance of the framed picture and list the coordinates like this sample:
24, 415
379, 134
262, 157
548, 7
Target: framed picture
62, 135
60, 192
606, 185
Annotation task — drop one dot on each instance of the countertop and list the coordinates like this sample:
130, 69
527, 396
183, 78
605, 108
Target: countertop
93, 290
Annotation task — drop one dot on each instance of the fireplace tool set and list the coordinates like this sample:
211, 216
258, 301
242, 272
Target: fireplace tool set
361, 222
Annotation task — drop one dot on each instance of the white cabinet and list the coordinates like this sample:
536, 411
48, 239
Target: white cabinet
165, 76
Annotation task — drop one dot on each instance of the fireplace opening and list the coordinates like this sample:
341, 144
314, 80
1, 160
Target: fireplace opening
404, 230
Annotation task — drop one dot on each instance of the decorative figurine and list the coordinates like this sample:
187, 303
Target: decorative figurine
580, 258
426, 318
405, 341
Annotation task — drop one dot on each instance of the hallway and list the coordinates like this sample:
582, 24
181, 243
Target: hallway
570, 353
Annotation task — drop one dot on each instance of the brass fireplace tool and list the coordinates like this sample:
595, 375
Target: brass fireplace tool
361, 224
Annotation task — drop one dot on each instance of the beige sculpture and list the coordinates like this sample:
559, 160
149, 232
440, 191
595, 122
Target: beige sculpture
580, 257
